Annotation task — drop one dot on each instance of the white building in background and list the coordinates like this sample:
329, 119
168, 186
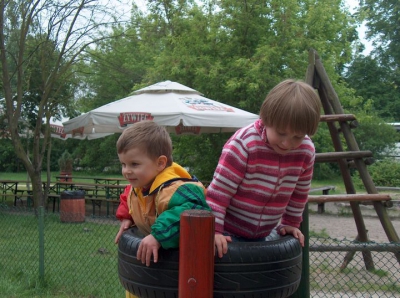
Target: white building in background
396, 151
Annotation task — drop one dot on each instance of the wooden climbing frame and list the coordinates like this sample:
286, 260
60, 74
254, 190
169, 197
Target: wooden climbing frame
340, 124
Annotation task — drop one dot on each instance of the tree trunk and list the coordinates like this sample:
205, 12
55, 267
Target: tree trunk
37, 191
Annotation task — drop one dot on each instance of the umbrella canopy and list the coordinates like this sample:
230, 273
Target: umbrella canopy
182, 110
57, 131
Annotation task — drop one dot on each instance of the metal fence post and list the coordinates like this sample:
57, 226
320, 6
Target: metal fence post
41, 243
304, 288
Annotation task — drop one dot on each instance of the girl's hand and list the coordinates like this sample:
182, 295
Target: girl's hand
293, 231
221, 243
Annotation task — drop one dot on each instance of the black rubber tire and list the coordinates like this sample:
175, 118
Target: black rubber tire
249, 269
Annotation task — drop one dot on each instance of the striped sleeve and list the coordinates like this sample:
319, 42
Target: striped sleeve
293, 214
227, 177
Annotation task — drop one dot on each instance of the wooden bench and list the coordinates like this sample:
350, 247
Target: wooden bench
16, 196
51, 196
388, 188
97, 202
325, 191
21, 194
11, 195
362, 198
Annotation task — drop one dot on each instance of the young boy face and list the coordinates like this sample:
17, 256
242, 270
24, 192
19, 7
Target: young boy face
282, 141
138, 168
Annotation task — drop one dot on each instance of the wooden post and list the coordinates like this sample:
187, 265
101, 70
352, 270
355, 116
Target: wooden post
196, 254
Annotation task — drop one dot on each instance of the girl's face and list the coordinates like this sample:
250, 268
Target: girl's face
139, 169
282, 141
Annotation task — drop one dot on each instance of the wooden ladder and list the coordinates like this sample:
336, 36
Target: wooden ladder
340, 123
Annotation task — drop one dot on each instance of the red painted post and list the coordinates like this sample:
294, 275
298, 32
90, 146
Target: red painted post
196, 254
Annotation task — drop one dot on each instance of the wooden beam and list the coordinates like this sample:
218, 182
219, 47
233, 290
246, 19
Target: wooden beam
348, 198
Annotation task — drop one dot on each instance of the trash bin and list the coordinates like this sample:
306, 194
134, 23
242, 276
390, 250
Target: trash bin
72, 206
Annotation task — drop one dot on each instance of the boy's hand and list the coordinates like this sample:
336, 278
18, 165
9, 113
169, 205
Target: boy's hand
221, 243
293, 231
125, 224
148, 246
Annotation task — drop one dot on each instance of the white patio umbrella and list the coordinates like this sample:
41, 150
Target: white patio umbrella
57, 131
182, 110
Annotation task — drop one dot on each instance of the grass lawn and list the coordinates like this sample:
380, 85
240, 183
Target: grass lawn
80, 259
23, 176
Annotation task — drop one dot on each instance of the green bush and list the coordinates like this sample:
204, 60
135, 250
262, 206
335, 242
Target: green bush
384, 173
325, 171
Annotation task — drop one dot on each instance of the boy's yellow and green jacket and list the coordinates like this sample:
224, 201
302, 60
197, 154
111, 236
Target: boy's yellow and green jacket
158, 210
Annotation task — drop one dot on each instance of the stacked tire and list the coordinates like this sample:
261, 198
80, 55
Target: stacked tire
249, 269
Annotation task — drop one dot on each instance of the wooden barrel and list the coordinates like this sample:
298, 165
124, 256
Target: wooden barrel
72, 206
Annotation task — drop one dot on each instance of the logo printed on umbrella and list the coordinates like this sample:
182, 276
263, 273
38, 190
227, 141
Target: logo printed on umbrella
201, 104
131, 118
181, 129
58, 130
78, 132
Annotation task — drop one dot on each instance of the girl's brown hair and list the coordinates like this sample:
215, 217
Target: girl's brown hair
292, 105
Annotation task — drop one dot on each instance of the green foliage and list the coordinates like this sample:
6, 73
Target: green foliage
199, 154
376, 84
380, 272
8, 161
376, 77
65, 162
123, 62
231, 51
382, 21
324, 171
374, 135
97, 155
319, 234
322, 139
384, 173
323, 143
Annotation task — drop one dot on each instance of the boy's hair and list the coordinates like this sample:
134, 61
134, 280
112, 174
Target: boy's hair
292, 105
149, 137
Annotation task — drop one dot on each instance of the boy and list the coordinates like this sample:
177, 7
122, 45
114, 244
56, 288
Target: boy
159, 190
265, 169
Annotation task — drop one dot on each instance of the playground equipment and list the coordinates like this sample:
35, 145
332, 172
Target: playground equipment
249, 269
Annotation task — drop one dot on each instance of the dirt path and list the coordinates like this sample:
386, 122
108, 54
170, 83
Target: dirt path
338, 222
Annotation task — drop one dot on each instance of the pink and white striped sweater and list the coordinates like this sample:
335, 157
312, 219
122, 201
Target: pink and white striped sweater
254, 187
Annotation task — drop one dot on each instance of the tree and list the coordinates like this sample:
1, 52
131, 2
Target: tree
376, 77
231, 51
374, 135
382, 21
40, 42
374, 82
236, 51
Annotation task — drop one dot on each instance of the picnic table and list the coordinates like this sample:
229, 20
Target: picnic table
108, 191
95, 192
9, 188
98, 180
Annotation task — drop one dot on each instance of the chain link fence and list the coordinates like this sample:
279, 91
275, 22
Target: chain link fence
346, 268
79, 259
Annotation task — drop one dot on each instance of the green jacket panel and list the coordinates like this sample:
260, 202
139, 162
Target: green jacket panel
187, 195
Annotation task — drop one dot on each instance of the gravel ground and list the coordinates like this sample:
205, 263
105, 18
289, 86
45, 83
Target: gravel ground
338, 222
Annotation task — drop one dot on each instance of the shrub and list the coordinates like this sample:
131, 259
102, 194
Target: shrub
384, 173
